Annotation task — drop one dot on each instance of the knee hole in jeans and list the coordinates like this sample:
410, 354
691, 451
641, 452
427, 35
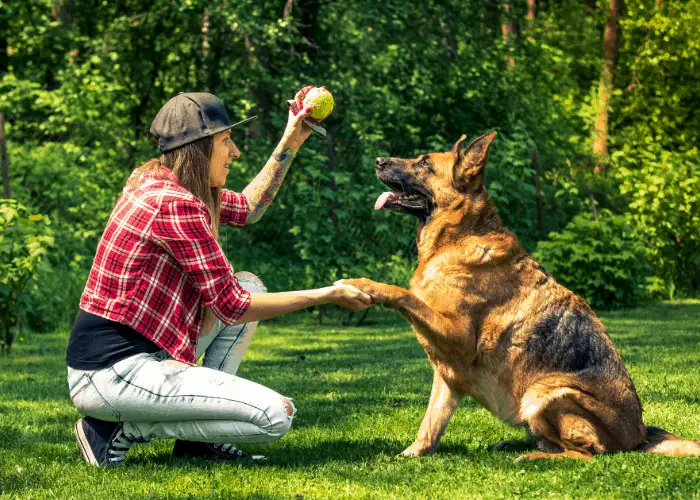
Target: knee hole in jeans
289, 407
251, 280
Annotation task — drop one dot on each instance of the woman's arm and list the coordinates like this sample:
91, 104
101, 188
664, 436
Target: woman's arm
262, 190
268, 305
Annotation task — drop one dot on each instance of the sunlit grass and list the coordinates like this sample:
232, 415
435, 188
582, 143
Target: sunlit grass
361, 393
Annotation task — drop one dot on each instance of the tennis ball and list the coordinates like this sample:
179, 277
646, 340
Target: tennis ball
321, 102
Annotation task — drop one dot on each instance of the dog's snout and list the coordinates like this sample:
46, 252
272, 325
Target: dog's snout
380, 163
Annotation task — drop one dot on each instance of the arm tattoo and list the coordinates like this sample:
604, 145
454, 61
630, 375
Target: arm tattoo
262, 190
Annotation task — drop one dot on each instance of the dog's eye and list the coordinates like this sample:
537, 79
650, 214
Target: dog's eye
423, 163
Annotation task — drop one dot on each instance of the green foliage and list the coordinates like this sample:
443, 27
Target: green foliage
598, 259
655, 158
78, 189
25, 239
81, 81
664, 193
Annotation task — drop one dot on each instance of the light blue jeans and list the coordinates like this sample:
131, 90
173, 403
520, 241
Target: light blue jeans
157, 396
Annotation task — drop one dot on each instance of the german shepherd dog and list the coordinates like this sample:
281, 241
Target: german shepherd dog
497, 326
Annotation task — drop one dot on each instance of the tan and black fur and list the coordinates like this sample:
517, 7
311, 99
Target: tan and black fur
498, 327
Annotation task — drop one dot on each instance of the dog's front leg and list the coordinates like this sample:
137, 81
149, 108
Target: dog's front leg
429, 322
443, 402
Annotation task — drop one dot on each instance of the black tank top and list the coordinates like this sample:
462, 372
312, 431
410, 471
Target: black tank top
96, 342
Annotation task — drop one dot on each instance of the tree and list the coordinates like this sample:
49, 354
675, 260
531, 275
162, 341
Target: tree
611, 42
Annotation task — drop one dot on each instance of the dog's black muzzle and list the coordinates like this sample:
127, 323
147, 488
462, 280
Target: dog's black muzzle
413, 197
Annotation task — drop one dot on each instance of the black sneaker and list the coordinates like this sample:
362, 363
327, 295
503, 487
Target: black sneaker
102, 443
194, 449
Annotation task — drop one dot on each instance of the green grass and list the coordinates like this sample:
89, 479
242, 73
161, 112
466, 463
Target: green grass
361, 393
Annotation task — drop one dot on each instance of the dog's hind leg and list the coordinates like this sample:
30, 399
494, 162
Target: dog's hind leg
566, 454
570, 423
564, 434
443, 403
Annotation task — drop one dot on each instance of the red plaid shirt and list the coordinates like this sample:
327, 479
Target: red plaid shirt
158, 262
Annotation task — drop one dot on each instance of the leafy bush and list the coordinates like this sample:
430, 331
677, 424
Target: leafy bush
663, 189
601, 260
24, 240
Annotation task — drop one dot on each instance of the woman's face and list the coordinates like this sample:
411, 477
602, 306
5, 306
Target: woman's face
223, 152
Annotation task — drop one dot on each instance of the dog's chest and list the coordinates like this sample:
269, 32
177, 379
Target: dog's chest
487, 389
441, 278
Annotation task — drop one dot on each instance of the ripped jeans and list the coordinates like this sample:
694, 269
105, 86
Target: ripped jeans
157, 396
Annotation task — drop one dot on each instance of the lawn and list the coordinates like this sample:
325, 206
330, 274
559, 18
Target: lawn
361, 393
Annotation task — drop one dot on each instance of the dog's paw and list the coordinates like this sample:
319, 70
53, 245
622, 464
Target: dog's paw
371, 288
388, 295
415, 450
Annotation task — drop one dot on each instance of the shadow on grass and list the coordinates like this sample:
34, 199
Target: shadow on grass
342, 450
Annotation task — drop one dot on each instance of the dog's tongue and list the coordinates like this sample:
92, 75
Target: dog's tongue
383, 198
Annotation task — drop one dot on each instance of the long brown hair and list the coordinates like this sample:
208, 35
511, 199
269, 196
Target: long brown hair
191, 165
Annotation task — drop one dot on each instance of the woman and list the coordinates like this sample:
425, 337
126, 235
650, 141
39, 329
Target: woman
159, 282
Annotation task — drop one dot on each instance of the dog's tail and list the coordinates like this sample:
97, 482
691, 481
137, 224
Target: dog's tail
662, 442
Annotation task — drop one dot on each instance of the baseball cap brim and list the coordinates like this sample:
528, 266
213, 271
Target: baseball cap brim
226, 127
242, 122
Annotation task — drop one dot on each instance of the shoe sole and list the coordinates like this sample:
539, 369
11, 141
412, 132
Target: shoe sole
83, 444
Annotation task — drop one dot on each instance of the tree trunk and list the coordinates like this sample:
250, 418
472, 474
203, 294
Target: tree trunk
3, 154
288, 4
531, 10
509, 30
611, 42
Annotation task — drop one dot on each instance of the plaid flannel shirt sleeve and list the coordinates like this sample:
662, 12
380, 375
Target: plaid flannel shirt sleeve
234, 208
182, 228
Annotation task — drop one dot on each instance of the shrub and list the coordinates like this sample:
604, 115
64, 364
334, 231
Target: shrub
601, 260
24, 240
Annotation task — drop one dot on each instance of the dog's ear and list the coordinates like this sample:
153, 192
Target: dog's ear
471, 159
458, 144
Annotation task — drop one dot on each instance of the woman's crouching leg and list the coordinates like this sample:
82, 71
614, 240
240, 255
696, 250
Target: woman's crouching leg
273, 425
157, 397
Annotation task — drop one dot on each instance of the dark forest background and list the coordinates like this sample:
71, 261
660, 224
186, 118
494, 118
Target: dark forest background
595, 167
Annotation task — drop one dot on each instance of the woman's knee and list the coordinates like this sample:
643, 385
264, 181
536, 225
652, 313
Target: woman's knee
281, 420
289, 406
250, 282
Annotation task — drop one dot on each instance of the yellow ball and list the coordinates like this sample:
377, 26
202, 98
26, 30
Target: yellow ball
321, 102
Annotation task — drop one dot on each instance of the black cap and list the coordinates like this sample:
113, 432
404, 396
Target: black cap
190, 116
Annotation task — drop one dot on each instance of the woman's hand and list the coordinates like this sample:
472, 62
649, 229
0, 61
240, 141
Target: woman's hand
389, 296
297, 131
348, 297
